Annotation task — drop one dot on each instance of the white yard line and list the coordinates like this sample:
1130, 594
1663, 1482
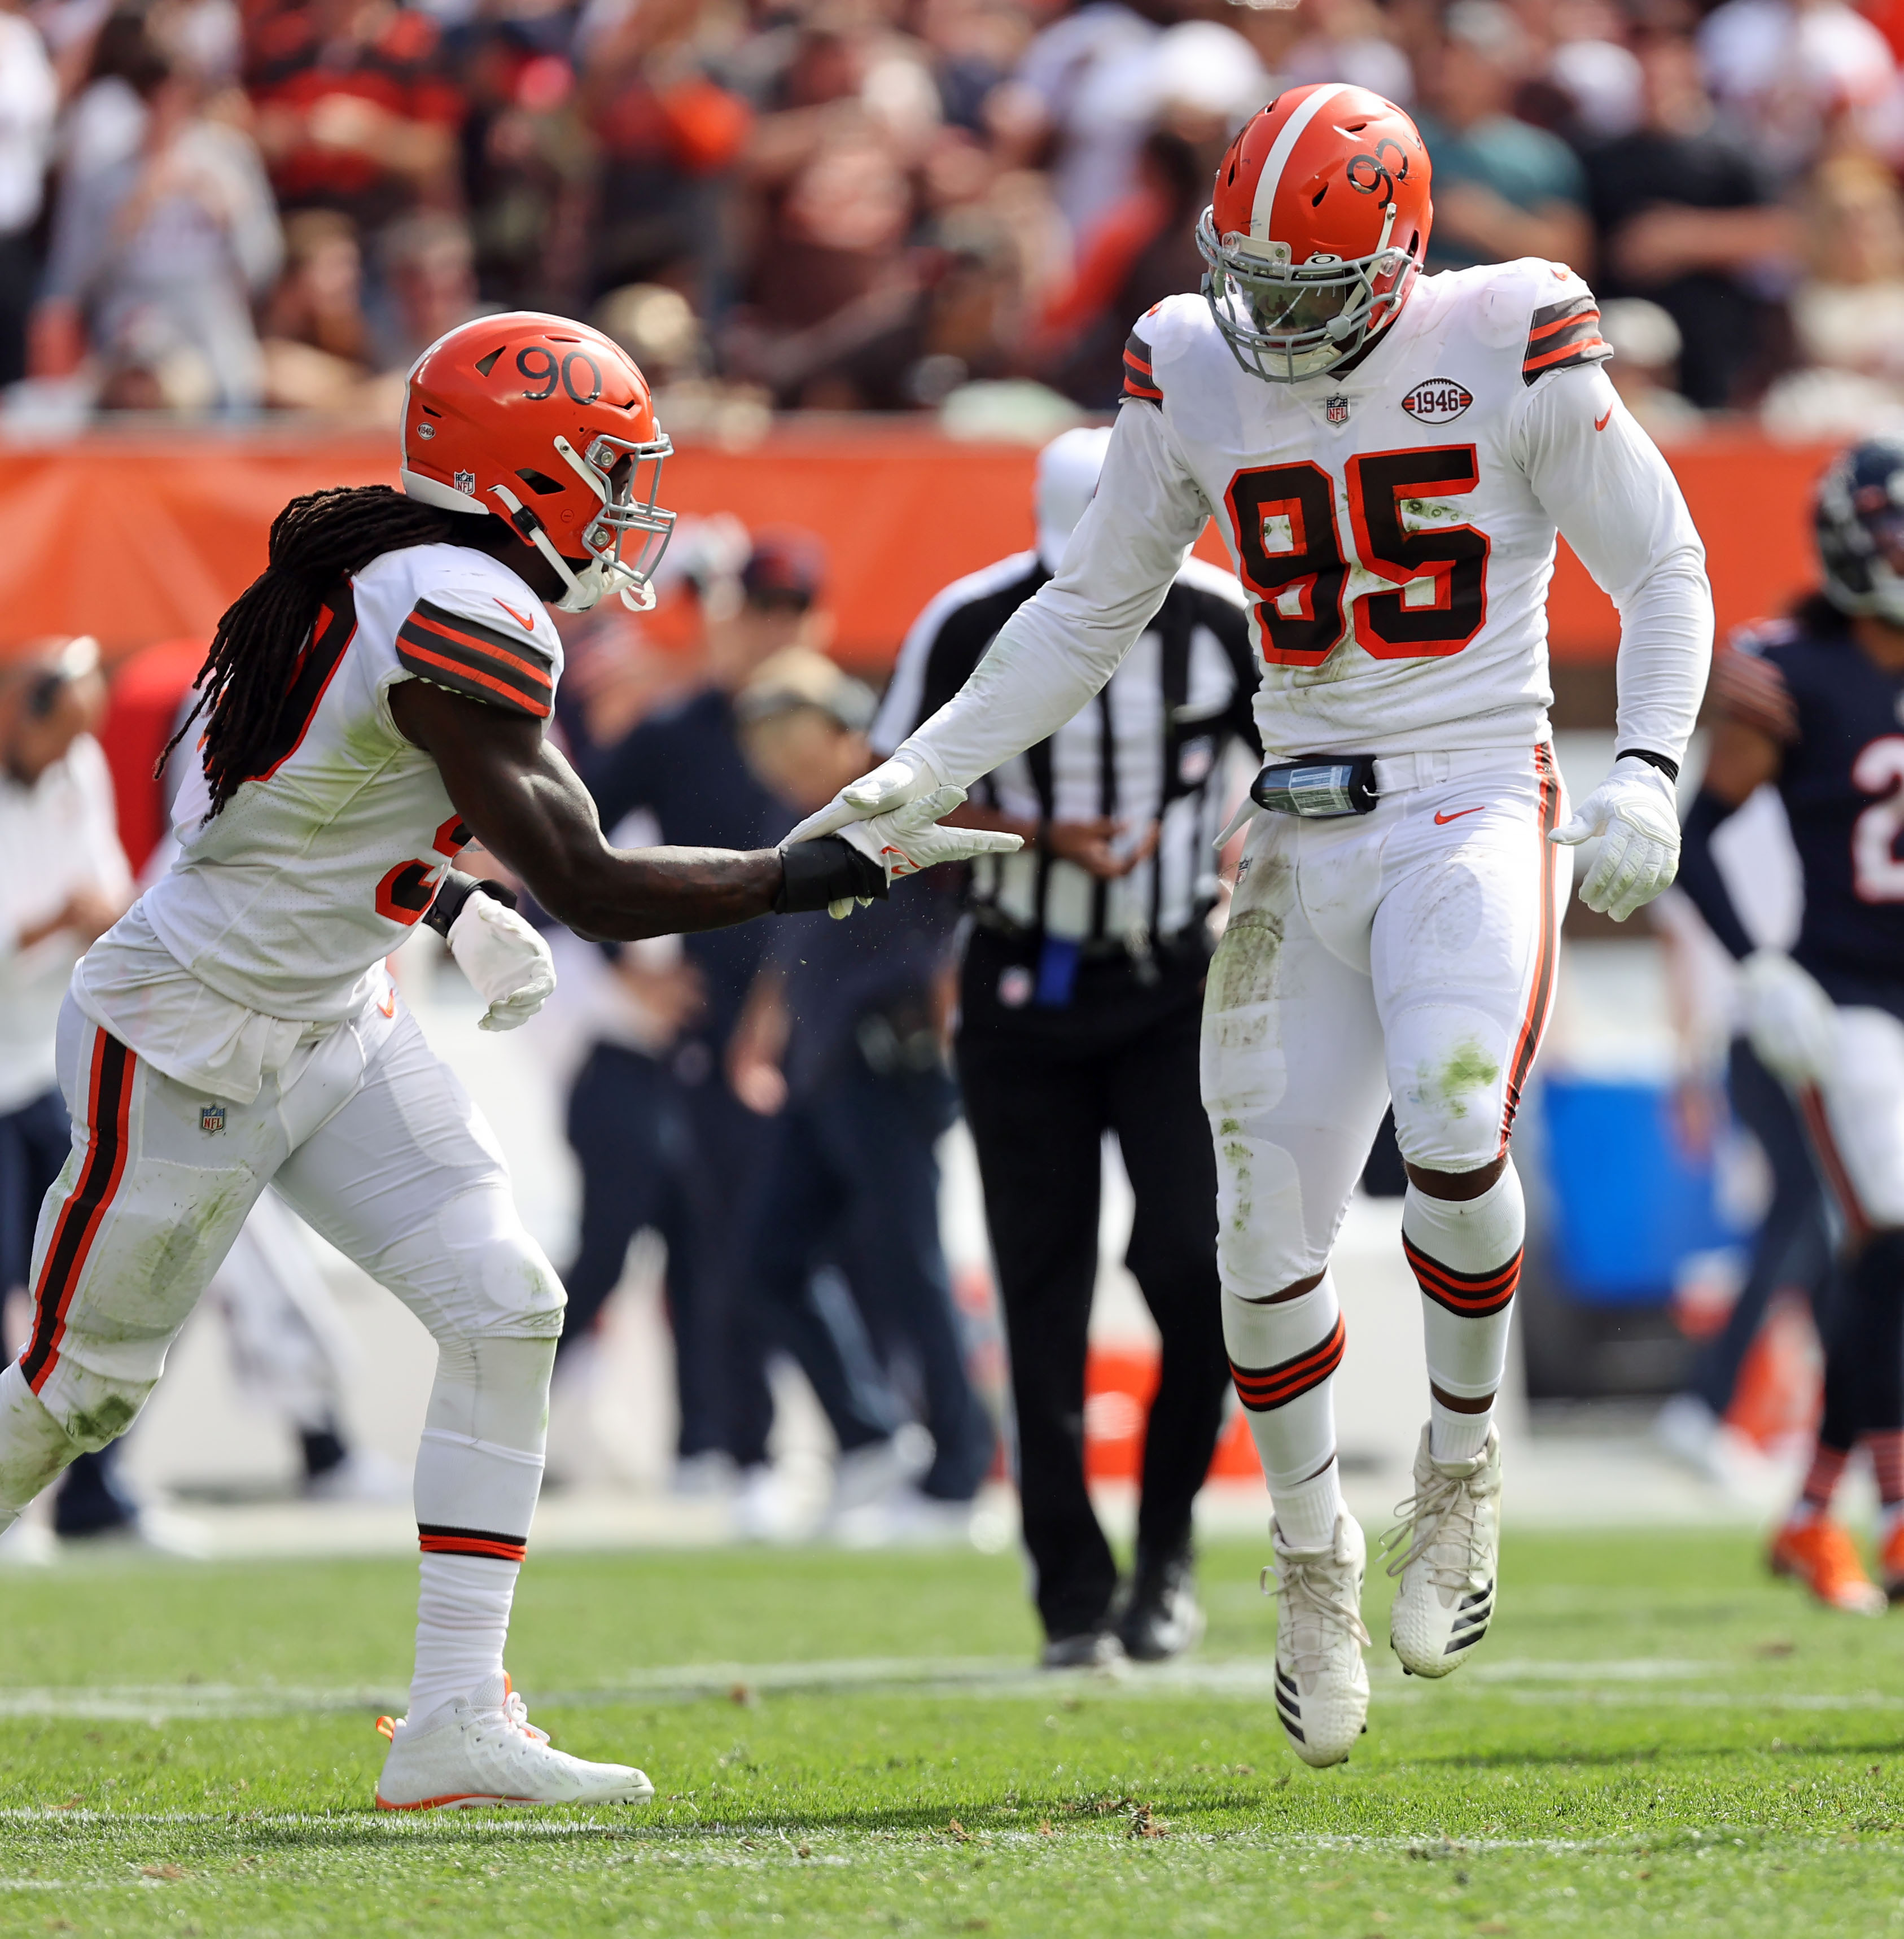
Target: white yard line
1630, 1683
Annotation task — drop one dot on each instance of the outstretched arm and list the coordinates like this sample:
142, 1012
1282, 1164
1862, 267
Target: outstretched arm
1061, 646
525, 804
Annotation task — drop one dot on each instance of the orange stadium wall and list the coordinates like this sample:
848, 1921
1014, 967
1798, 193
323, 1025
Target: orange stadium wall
139, 538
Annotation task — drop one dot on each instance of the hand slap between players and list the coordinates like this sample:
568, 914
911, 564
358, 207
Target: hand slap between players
891, 785
909, 838
1635, 813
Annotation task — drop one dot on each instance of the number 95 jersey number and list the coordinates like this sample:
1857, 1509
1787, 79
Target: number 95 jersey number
1394, 526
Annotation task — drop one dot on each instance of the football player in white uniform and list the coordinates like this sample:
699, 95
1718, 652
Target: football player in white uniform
377, 697
1388, 456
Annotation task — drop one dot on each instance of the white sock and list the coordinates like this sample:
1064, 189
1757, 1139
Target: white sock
1283, 1358
478, 1471
462, 1621
1454, 1436
1466, 1256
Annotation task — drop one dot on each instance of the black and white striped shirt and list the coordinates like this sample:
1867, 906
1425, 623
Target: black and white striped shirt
1149, 748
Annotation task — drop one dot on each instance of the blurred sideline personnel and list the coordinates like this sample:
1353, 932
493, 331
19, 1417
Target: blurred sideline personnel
64, 881
842, 1043
1815, 706
1388, 456
1082, 984
683, 766
375, 700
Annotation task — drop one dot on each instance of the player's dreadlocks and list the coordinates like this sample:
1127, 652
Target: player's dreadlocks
316, 540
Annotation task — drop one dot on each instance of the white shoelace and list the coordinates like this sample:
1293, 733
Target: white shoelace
515, 1713
1319, 1593
1429, 1522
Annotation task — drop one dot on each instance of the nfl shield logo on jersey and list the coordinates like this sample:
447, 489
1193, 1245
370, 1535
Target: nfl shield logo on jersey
1336, 408
211, 1118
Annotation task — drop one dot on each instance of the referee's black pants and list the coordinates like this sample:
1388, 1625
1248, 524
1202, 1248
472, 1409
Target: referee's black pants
1041, 1087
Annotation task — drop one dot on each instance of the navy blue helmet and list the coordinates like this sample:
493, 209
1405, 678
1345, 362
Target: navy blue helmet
1859, 517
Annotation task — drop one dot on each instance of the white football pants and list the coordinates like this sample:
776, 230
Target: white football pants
369, 1138
1408, 953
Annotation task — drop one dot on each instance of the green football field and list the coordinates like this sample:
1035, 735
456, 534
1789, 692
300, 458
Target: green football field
1654, 1739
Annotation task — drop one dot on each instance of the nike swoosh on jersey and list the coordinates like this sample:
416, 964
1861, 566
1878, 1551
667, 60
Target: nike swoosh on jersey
1442, 820
527, 625
1601, 424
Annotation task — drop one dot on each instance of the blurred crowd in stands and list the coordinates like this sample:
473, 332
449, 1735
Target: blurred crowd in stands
902, 205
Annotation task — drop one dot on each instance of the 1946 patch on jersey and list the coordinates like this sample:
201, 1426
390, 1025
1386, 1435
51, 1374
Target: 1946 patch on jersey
1439, 401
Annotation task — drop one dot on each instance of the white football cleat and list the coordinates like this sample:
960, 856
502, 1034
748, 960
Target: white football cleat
482, 1749
1446, 1548
1321, 1683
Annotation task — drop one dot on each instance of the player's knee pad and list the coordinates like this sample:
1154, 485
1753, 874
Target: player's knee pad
35, 1447
93, 1408
475, 1272
1449, 1071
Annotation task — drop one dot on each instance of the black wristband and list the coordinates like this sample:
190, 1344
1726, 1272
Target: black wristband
1665, 763
815, 873
456, 889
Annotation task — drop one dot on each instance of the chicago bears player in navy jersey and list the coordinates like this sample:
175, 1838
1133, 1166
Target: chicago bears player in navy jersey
1814, 706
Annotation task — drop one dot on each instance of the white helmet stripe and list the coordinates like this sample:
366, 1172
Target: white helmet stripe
1270, 180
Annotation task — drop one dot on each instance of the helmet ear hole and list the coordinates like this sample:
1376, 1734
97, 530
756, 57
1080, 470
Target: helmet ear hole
541, 483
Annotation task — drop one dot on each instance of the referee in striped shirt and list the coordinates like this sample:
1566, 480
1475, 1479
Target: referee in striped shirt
1082, 993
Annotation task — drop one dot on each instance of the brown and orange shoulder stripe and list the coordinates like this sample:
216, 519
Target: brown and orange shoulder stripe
1139, 380
451, 649
1563, 337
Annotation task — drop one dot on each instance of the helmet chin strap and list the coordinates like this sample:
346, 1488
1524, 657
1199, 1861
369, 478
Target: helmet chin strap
585, 588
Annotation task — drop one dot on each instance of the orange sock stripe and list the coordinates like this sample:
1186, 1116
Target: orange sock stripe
433, 1538
1259, 1389
1473, 1296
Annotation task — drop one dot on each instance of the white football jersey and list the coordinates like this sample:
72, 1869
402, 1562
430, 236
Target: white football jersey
321, 865
1394, 526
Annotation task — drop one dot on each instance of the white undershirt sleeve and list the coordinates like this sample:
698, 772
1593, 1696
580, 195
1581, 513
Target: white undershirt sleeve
1061, 646
1602, 481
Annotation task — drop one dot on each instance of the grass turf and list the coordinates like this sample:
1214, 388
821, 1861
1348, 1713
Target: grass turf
1653, 1739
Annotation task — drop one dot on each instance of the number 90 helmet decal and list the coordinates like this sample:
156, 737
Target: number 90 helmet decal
1859, 518
548, 424
1316, 229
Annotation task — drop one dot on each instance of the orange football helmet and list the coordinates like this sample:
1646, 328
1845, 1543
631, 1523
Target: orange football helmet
552, 421
1316, 230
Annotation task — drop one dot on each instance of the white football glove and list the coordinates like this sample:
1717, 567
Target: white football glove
892, 784
1635, 812
1792, 1024
508, 964
909, 838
